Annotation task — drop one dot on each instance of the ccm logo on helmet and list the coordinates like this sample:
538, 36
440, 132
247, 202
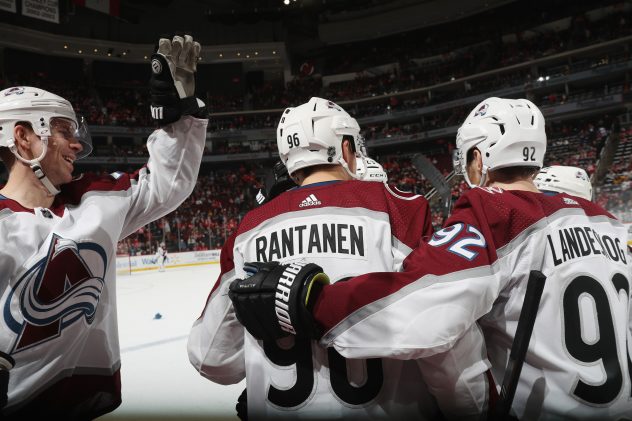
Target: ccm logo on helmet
283, 296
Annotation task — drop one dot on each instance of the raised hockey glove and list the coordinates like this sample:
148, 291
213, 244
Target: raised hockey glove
172, 82
6, 364
277, 300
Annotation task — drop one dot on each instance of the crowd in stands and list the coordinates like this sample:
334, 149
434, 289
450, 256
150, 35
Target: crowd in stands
205, 220
222, 197
616, 192
111, 105
521, 17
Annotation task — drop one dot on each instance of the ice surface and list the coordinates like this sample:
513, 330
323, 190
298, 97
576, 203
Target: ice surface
156, 376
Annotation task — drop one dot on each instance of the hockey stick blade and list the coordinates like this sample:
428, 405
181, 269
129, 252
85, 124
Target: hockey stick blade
535, 286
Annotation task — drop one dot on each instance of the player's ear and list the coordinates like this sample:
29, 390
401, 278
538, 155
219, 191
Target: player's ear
20, 135
348, 154
475, 160
478, 159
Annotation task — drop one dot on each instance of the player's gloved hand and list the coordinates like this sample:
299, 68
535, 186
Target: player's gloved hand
6, 364
242, 406
172, 82
276, 300
277, 182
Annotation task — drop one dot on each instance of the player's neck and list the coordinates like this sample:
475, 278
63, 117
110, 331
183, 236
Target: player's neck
27, 190
526, 185
328, 174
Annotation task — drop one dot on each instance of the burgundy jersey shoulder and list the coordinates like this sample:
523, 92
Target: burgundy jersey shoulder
72, 192
397, 191
7, 204
507, 213
408, 214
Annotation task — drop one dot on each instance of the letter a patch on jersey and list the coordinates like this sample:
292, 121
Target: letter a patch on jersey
57, 291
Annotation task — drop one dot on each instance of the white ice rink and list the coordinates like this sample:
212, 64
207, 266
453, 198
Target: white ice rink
158, 382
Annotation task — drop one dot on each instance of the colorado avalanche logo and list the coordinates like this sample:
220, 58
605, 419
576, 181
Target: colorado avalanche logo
56, 292
18, 90
482, 110
581, 175
333, 106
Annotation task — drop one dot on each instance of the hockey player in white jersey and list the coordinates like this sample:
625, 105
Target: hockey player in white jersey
161, 257
564, 179
476, 269
58, 323
350, 227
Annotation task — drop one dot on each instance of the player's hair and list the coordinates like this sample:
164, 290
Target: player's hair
7, 157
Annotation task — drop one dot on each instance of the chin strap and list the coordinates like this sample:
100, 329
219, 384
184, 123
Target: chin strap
39, 173
355, 175
482, 181
34, 164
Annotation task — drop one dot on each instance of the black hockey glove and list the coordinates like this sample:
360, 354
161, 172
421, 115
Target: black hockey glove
172, 82
242, 406
277, 300
6, 364
277, 182
282, 181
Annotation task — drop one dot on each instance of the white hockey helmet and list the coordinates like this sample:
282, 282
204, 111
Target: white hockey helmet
507, 132
312, 133
564, 179
370, 170
38, 107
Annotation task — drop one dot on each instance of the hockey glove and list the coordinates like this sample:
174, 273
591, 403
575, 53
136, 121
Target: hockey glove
242, 406
277, 300
277, 182
172, 82
6, 364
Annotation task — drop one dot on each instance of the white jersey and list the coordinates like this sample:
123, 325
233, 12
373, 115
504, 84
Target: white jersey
161, 253
476, 269
58, 277
348, 228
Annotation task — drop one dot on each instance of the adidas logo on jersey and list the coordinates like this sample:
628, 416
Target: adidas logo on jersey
310, 200
569, 201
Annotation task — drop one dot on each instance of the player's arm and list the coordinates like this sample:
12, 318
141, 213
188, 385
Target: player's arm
422, 311
444, 289
216, 340
176, 148
460, 378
